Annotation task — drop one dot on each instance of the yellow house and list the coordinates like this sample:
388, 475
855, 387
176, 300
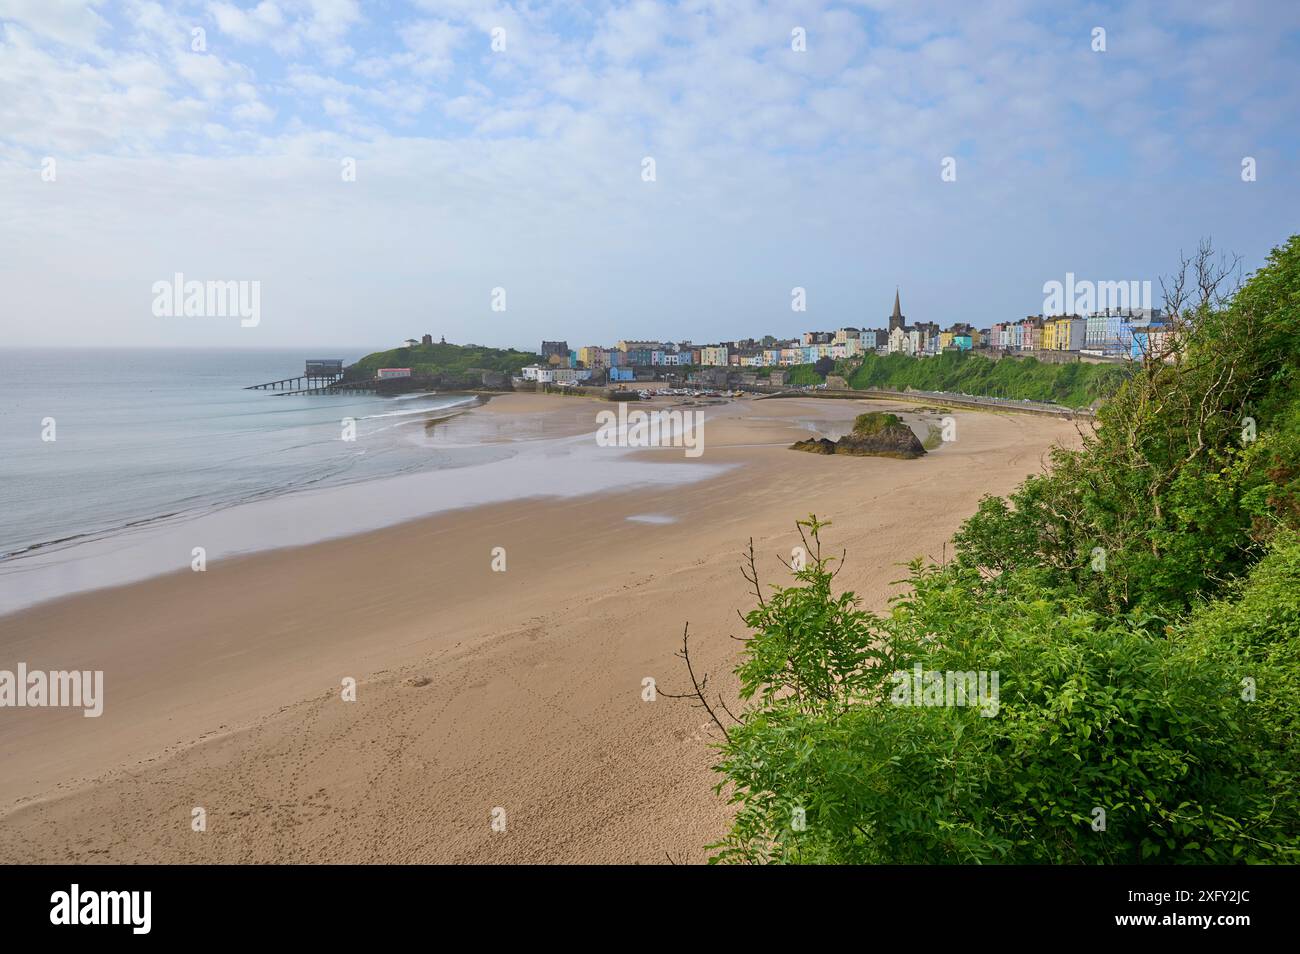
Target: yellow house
1051, 334
945, 339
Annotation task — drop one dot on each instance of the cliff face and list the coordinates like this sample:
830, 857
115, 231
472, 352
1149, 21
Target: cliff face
874, 435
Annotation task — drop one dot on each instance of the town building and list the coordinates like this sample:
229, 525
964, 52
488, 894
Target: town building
1155, 340
961, 336
1111, 332
713, 355
916, 340
1033, 334
637, 345
1064, 333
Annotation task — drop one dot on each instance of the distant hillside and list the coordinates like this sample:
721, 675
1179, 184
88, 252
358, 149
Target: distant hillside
447, 360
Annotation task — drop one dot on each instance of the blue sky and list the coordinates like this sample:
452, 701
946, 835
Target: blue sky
522, 168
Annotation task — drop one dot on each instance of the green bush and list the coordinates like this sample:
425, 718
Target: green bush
1096, 719
1170, 488
1140, 605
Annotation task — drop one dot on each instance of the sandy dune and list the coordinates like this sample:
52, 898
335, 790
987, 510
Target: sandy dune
477, 689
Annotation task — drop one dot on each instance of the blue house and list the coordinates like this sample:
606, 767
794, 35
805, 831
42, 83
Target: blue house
1140, 342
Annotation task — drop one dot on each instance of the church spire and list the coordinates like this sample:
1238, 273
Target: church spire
896, 319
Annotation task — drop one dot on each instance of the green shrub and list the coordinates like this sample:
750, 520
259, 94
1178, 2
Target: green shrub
1140, 605
1092, 714
1167, 487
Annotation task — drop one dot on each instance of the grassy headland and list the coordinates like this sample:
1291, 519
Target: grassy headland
441, 361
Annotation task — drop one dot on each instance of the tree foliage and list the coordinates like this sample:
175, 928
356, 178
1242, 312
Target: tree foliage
1139, 604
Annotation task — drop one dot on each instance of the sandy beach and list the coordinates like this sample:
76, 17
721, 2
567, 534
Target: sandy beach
476, 689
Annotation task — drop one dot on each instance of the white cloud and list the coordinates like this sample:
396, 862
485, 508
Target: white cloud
253, 112
214, 78
433, 44
291, 26
474, 164
70, 22
256, 25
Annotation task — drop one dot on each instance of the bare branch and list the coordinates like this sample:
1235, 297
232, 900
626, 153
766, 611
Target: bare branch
752, 575
699, 685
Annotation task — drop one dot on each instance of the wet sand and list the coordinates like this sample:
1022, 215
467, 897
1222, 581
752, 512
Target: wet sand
477, 689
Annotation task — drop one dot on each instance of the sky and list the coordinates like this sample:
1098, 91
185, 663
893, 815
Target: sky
503, 173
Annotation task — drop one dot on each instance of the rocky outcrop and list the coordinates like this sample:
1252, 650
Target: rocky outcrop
873, 435
816, 445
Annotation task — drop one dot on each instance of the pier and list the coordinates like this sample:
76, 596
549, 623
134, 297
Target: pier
320, 376
336, 387
297, 385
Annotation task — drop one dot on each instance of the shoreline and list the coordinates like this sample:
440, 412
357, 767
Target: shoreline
132, 553
476, 688
15, 558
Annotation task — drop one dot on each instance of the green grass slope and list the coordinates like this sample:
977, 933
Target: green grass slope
441, 359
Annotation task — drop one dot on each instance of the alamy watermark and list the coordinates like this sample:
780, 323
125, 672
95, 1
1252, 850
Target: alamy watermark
213, 299
1086, 297
129, 908
921, 687
638, 428
37, 688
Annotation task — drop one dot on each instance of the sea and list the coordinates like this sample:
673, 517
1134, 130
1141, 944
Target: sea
120, 464
96, 441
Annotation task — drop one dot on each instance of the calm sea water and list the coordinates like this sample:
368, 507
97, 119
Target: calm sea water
146, 435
